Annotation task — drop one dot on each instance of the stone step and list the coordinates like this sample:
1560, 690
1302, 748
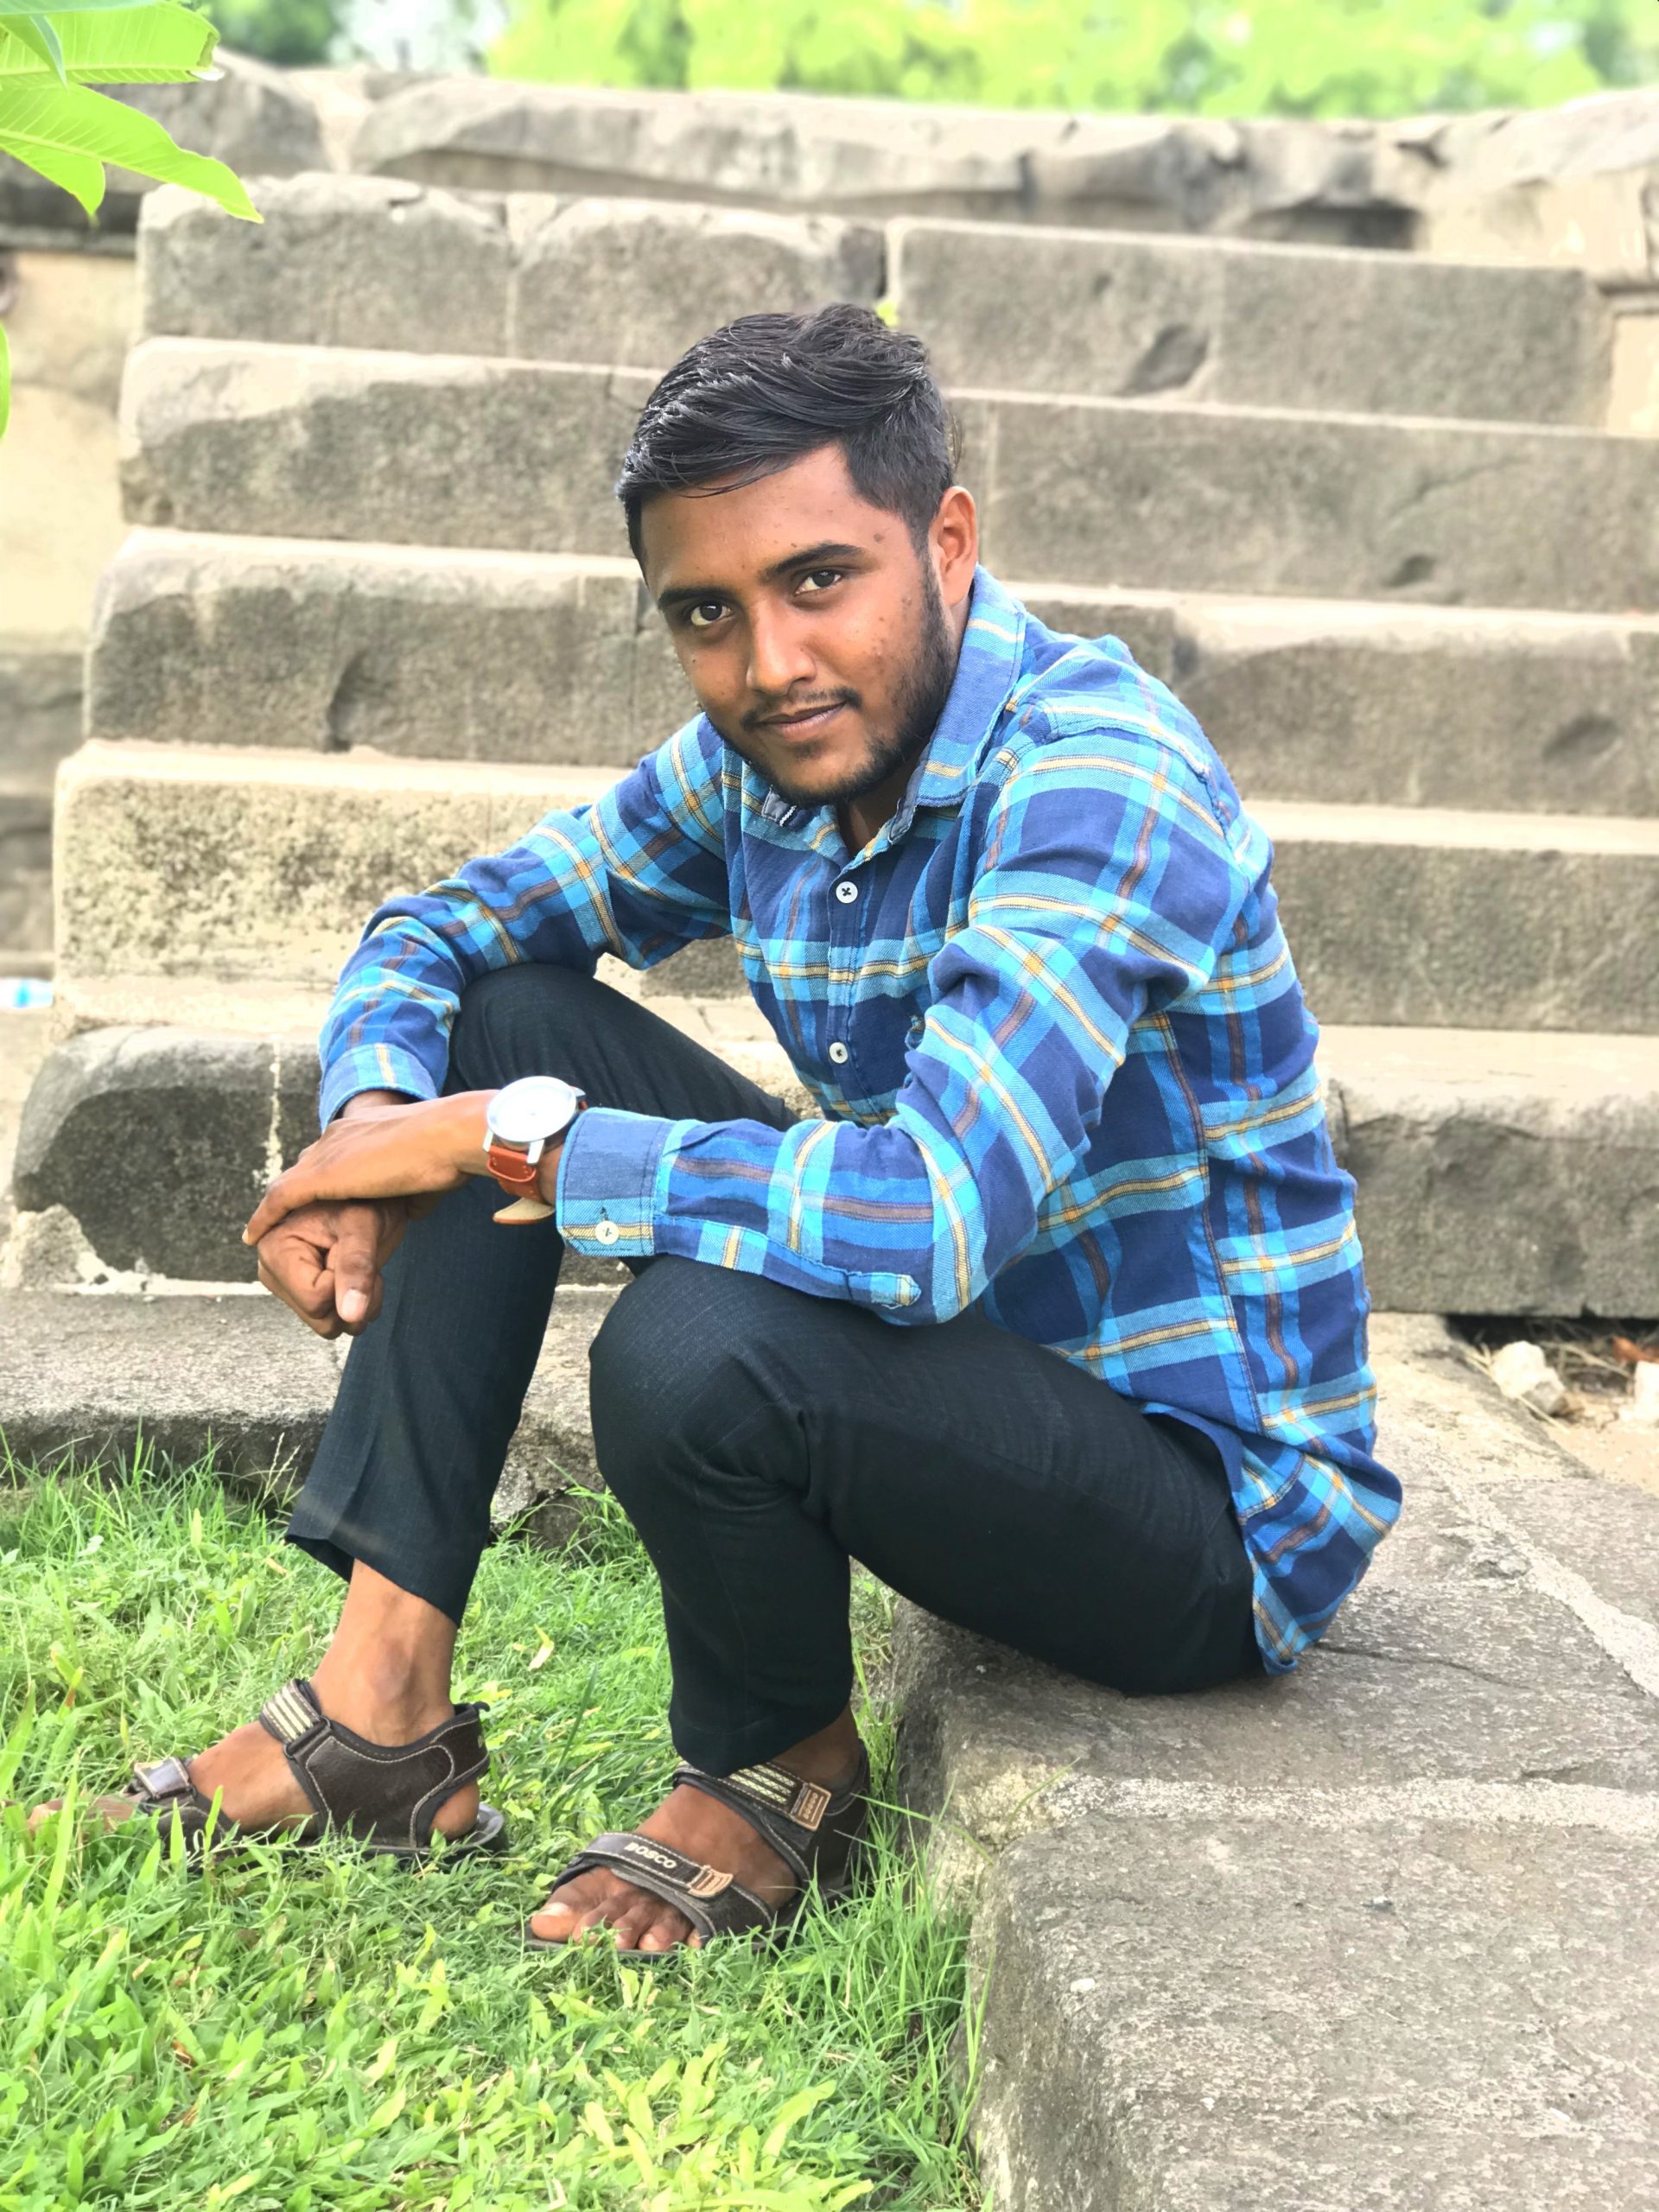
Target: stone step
40, 723
1104, 315
1497, 1171
261, 866
435, 449
367, 261
1435, 1839
372, 262
167, 1105
101, 1373
457, 654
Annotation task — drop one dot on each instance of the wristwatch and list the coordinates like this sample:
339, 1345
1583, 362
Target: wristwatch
520, 1122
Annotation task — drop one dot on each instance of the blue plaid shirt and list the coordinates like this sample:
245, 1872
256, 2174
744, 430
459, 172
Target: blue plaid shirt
1064, 1065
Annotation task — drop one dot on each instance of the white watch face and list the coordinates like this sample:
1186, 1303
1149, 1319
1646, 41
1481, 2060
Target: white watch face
535, 1106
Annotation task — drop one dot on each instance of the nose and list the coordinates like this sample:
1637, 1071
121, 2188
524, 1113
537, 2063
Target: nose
778, 655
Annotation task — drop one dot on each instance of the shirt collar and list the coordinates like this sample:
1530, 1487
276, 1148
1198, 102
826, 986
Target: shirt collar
988, 667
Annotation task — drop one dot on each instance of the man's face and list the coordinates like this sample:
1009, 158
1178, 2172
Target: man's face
820, 641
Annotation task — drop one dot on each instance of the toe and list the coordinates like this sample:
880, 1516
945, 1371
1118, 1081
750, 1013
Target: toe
555, 1921
666, 1930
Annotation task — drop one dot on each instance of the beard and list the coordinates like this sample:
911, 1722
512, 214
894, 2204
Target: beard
918, 704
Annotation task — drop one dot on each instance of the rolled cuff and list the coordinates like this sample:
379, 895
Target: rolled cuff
611, 1170
372, 1067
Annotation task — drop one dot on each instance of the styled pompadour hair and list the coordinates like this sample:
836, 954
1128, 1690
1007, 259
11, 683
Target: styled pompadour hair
768, 389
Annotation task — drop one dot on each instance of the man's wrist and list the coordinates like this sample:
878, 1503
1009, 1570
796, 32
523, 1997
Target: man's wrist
547, 1170
361, 1100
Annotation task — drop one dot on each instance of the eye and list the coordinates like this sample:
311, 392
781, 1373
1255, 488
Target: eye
821, 579
704, 613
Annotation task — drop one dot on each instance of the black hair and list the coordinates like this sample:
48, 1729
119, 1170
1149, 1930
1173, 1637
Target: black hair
766, 390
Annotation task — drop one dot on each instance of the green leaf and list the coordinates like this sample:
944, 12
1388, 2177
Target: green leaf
159, 44
42, 128
11, 8
78, 175
35, 32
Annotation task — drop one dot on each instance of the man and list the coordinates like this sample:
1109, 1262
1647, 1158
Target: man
1056, 1318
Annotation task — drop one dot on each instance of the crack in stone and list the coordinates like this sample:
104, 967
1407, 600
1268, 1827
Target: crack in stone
1415, 1659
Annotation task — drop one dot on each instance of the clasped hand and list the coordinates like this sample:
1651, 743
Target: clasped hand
328, 1224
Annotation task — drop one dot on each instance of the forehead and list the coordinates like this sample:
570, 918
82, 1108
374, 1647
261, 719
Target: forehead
734, 537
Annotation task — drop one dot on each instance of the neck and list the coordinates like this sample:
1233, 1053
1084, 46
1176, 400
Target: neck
860, 818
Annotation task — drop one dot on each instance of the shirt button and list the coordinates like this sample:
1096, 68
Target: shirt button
606, 1232
838, 1053
846, 891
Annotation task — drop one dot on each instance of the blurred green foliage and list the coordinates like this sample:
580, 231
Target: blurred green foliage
301, 33
1208, 57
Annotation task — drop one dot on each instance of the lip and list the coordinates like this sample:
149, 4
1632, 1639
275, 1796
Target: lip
806, 725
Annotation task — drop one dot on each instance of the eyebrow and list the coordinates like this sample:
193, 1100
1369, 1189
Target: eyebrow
812, 556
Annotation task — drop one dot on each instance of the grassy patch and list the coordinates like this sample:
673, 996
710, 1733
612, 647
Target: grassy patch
314, 2032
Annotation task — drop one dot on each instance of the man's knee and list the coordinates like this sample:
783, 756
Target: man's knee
509, 1023
681, 1360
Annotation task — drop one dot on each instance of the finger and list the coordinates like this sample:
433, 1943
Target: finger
294, 1272
357, 1275
290, 1191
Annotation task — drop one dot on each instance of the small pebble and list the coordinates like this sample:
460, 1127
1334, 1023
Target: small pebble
1081, 1988
1643, 1411
1521, 1372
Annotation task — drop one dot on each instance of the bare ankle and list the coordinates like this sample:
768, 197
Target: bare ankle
386, 1673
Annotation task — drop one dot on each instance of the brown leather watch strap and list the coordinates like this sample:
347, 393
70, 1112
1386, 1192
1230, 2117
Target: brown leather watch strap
513, 1168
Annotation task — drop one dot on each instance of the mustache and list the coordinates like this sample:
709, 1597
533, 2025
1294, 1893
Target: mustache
755, 723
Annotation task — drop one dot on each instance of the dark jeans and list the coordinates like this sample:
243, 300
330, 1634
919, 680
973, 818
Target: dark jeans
759, 1437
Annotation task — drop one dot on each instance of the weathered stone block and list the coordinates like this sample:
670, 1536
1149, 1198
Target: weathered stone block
1128, 317
1212, 2014
771, 151
1503, 921
263, 867
1501, 1172
1356, 703
411, 448
25, 877
1235, 500
40, 712
452, 655
633, 282
338, 261
159, 1142
242, 1375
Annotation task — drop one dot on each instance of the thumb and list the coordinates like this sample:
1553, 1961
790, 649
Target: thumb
356, 1276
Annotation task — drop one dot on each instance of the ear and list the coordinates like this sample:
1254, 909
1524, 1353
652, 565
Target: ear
954, 541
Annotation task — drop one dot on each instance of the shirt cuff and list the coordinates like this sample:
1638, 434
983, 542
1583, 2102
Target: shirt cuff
372, 1067
610, 1169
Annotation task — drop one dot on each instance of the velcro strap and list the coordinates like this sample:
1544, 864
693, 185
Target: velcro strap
165, 1778
779, 1791
290, 1713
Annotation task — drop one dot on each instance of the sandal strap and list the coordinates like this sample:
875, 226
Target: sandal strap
802, 1820
163, 1789
715, 1903
377, 1792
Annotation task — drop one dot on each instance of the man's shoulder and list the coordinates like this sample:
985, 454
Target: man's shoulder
1074, 686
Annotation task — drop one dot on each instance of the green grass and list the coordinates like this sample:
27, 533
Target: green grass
300, 2031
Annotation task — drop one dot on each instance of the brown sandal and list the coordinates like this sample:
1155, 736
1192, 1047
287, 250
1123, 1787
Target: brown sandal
385, 1796
817, 1832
